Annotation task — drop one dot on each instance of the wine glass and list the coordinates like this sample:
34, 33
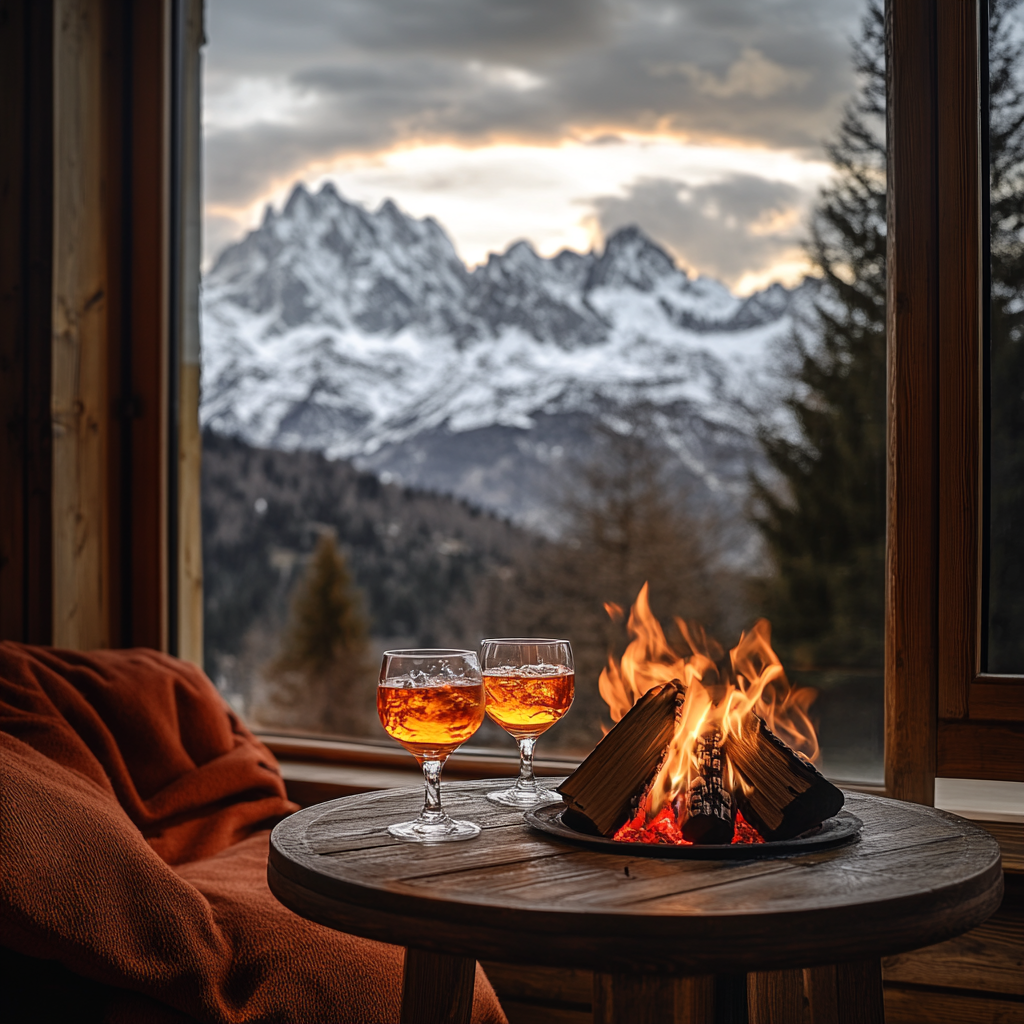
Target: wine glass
529, 685
431, 701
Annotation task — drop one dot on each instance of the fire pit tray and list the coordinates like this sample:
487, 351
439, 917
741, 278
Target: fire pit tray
843, 828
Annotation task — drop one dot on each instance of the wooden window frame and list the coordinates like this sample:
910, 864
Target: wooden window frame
103, 147
944, 716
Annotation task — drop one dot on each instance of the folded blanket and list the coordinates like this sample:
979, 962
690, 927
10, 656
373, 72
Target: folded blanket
133, 815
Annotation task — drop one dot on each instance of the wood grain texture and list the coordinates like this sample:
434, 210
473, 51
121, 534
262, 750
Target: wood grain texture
847, 993
541, 984
997, 698
821, 987
81, 407
989, 958
26, 211
912, 258
149, 229
436, 988
603, 792
537, 1013
1010, 836
917, 876
981, 750
914, 1005
775, 996
653, 999
959, 342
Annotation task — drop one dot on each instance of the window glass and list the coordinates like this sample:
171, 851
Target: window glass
510, 309
1004, 406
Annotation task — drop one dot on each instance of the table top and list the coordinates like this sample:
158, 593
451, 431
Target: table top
915, 876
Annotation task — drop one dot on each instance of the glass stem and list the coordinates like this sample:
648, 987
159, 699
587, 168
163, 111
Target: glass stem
432, 792
526, 783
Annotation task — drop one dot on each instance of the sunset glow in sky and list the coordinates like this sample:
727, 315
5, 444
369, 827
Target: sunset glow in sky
700, 120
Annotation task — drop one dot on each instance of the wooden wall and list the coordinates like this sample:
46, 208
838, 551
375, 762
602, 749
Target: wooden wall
93, 306
26, 252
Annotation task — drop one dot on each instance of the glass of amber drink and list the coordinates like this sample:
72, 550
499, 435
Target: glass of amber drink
529, 685
431, 701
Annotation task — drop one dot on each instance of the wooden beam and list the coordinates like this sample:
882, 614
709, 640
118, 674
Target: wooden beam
26, 205
149, 131
81, 407
774, 996
912, 260
437, 988
959, 352
981, 750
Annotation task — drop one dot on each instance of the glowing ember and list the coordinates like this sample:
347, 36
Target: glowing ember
723, 694
664, 828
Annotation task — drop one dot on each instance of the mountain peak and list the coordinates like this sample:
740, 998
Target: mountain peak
298, 200
632, 260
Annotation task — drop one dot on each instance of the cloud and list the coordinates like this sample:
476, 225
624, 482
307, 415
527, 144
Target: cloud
294, 90
752, 74
732, 229
361, 75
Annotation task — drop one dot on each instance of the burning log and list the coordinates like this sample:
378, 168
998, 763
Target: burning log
780, 793
710, 812
607, 788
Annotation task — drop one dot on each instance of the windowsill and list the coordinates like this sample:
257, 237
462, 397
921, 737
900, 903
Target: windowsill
981, 801
466, 763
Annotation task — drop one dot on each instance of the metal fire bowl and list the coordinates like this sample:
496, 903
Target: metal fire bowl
843, 828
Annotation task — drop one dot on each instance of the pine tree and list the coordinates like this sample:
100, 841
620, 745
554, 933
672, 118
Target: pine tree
1006, 398
824, 527
823, 516
324, 645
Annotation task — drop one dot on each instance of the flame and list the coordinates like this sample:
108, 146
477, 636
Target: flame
722, 693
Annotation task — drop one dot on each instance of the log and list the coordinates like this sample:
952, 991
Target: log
784, 794
606, 790
707, 809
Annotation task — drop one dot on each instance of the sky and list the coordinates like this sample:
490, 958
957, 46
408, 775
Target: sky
557, 121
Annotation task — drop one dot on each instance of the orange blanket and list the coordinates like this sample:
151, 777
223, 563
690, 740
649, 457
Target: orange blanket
133, 815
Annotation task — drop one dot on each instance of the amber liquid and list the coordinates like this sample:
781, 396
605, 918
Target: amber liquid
524, 705
433, 720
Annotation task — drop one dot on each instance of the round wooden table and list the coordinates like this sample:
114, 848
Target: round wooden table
656, 932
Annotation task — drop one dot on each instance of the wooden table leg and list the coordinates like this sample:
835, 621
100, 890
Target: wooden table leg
775, 997
437, 988
846, 993
653, 999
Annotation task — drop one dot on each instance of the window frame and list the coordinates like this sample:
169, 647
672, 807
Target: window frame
944, 717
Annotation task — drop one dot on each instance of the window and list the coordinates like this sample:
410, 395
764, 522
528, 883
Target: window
505, 308
1003, 644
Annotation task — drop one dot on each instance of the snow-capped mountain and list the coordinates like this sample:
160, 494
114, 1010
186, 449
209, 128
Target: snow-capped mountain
362, 334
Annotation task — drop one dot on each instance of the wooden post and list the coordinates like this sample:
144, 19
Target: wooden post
81, 406
437, 988
848, 993
26, 248
653, 999
912, 261
775, 997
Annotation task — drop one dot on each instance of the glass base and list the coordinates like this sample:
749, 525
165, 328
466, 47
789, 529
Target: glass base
448, 830
516, 797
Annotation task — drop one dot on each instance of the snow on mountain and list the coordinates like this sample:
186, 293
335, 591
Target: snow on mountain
362, 334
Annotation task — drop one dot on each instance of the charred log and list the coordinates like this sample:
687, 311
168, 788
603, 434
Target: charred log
607, 788
707, 809
783, 794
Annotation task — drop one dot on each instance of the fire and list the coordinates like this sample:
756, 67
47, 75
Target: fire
722, 692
